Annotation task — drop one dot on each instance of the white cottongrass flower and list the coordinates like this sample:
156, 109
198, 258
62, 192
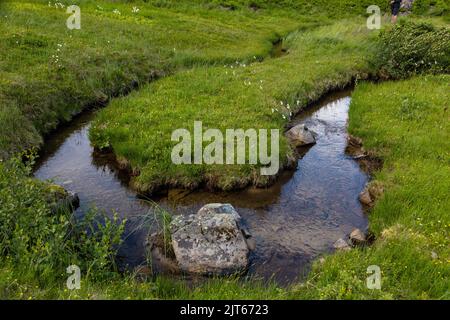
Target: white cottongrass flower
115, 11
135, 10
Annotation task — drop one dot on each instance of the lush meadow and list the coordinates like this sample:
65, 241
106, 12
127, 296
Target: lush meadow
213, 63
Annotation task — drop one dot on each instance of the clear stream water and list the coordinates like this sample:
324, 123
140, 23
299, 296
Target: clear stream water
293, 222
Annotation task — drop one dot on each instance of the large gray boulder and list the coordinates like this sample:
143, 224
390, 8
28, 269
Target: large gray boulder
210, 242
300, 136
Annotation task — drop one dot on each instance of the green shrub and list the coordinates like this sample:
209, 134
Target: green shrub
413, 48
432, 7
44, 242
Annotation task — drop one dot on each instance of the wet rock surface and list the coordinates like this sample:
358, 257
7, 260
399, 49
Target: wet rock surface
210, 242
300, 136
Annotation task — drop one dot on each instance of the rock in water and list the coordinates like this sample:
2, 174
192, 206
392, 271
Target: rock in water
300, 135
341, 244
61, 200
365, 198
210, 242
357, 237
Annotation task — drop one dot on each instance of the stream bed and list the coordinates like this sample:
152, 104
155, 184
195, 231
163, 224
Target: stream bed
293, 222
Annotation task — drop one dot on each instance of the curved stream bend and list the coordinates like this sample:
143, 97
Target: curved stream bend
293, 222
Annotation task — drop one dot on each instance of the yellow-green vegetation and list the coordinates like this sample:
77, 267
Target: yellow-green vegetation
48, 73
243, 95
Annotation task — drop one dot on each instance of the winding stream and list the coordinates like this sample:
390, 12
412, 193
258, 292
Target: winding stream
293, 222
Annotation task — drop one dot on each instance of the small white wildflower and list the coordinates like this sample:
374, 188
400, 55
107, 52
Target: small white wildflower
135, 10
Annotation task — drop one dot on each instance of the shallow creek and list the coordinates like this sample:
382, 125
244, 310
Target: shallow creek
293, 222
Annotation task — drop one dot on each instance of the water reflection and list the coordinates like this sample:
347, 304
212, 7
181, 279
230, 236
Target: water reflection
295, 220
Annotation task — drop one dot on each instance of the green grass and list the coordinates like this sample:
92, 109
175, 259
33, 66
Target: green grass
241, 95
405, 123
48, 73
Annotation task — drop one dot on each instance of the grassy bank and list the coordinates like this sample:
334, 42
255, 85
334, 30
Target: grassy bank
241, 95
48, 73
405, 123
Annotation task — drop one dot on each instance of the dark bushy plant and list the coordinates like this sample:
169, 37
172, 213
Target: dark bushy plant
413, 48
